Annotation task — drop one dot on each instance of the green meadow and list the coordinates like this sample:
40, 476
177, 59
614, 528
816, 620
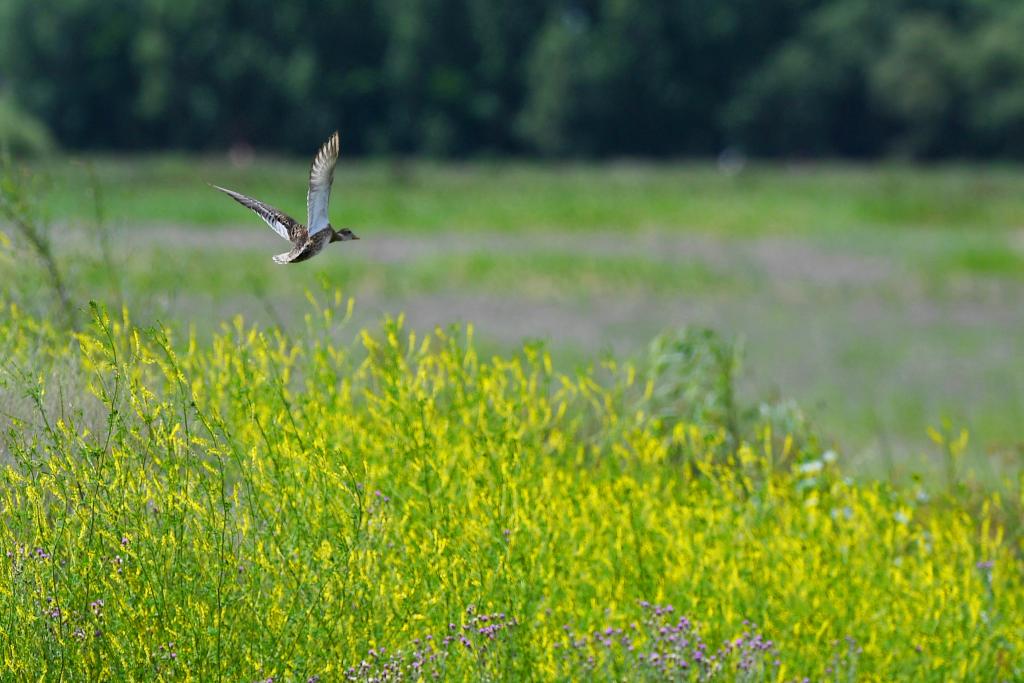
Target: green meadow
883, 299
542, 422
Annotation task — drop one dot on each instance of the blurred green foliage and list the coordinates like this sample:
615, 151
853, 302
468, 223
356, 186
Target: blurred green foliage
918, 78
21, 133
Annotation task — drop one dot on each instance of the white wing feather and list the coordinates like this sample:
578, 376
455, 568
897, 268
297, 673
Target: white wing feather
321, 176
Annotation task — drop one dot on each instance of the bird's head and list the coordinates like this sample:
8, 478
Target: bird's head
342, 235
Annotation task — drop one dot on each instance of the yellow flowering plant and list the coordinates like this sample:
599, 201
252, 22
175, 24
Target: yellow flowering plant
292, 507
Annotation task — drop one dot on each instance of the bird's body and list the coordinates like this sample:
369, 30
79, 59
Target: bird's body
309, 248
307, 241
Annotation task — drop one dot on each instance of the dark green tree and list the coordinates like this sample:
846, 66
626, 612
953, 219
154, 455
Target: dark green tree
587, 78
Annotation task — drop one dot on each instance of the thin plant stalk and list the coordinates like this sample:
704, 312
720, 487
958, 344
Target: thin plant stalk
16, 208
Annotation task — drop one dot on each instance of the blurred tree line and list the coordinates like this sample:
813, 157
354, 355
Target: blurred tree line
811, 78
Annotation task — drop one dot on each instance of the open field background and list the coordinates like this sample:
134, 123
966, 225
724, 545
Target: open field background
882, 299
573, 408
245, 476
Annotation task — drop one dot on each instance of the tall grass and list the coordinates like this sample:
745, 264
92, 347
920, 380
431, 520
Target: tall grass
290, 507
18, 208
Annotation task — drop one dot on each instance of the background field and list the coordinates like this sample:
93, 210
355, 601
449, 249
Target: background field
597, 412
883, 299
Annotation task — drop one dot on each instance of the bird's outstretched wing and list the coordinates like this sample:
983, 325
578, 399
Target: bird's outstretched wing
283, 224
321, 176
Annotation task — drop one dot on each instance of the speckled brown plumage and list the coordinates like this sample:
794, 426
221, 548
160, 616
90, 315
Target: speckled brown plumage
307, 242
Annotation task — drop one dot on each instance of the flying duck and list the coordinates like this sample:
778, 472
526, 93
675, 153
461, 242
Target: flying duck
306, 241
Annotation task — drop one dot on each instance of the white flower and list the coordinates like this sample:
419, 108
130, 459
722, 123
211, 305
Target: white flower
812, 467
